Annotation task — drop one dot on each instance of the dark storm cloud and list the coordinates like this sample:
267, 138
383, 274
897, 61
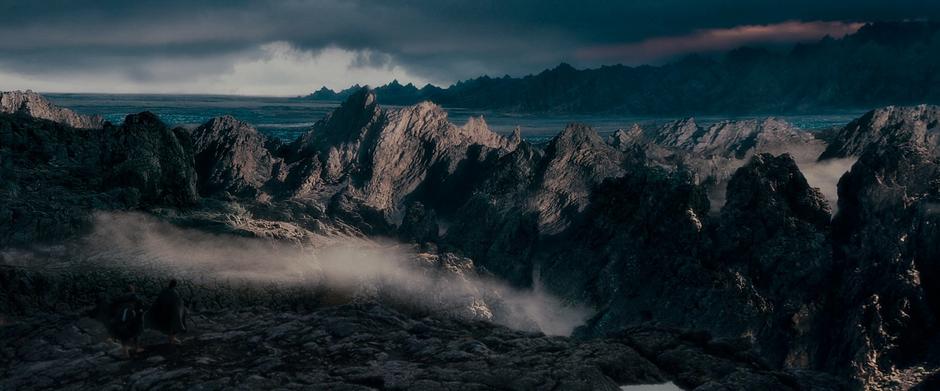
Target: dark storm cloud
439, 40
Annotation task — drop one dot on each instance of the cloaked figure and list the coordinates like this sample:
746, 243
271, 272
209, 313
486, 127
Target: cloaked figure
124, 319
168, 314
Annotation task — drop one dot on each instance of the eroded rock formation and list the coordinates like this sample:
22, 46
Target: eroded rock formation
35, 105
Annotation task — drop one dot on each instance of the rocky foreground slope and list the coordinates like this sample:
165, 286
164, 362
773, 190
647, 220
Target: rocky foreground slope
719, 229
252, 338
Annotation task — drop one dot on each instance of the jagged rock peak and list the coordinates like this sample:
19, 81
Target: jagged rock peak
348, 123
227, 123
360, 106
516, 136
225, 128
917, 126
625, 138
230, 155
476, 124
773, 185
576, 134
364, 98
35, 105
575, 161
676, 133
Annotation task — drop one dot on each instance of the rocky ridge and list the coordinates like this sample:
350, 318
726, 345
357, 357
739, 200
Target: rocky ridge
886, 127
35, 105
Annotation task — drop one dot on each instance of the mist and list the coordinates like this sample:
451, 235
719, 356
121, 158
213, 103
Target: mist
824, 175
365, 269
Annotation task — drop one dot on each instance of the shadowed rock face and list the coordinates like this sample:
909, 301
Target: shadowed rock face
419, 224
886, 301
231, 156
35, 105
54, 175
774, 230
143, 153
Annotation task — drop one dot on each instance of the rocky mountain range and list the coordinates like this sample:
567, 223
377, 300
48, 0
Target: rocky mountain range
882, 63
719, 235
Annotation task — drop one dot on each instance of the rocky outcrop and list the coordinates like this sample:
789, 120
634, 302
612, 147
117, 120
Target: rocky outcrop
35, 105
773, 231
885, 303
885, 127
369, 346
231, 156
379, 158
54, 175
575, 161
144, 154
419, 224
625, 254
495, 226
530, 193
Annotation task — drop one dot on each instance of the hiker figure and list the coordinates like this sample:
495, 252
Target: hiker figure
168, 313
125, 320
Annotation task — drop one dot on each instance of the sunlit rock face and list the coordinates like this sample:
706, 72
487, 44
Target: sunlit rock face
35, 105
887, 126
714, 152
739, 139
381, 156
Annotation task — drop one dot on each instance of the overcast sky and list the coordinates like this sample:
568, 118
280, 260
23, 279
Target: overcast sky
294, 47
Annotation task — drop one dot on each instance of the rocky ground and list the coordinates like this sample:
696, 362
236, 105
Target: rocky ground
371, 346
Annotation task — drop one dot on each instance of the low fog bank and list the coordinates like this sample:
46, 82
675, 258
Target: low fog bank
361, 268
825, 176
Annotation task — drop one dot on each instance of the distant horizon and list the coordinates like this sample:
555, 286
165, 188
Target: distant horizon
715, 53
195, 48
707, 116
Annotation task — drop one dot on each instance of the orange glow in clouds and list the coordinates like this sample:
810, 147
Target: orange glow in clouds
709, 40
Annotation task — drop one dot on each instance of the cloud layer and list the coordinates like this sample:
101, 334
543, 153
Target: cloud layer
211, 46
713, 40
